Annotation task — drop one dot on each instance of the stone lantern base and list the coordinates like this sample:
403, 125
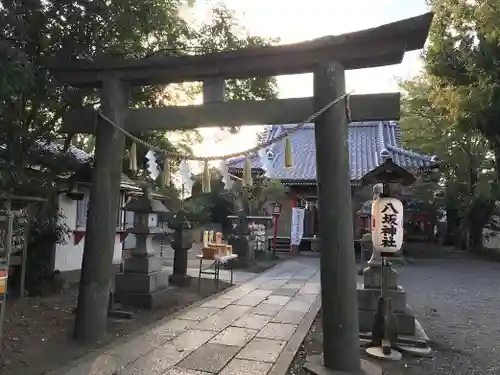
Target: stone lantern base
143, 284
368, 296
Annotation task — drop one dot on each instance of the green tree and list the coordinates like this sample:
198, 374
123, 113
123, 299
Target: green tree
453, 108
224, 33
464, 56
35, 33
431, 124
221, 202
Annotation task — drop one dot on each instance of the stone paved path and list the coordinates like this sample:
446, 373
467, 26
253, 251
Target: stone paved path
242, 331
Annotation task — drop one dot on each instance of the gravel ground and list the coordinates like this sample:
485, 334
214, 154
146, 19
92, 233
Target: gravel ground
457, 301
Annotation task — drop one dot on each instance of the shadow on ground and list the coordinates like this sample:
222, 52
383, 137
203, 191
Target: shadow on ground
37, 330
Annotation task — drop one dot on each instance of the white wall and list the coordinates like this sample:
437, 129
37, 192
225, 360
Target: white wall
68, 256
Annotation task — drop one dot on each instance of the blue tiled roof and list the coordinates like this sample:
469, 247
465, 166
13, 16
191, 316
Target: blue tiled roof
365, 139
76, 154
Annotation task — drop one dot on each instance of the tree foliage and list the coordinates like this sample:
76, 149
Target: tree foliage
219, 202
451, 109
38, 32
464, 54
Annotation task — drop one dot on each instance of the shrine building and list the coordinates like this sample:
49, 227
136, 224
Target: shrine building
366, 142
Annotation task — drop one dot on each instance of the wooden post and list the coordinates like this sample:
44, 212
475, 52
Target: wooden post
338, 271
96, 274
213, 91
30, 208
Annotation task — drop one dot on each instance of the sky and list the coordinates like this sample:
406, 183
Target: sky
295, 21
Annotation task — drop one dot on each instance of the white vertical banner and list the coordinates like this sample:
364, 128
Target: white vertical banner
298, 215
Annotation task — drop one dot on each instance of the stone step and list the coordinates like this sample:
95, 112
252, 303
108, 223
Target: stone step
141, 283
155, 300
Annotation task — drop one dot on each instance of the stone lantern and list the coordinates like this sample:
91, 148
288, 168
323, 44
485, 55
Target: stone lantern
181, 243
384, 179
143, 282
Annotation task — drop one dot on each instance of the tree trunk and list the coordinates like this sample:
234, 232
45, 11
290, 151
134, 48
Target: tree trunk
476, 237
479, 216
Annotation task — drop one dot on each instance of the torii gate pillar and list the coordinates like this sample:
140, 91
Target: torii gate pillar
93, 295
338, 274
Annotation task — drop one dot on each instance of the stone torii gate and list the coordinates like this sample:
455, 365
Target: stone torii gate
327, 58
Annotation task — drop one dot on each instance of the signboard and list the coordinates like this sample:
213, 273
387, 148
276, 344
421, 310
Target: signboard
276, 208
297, 225
5, 251
5, 238
387, 225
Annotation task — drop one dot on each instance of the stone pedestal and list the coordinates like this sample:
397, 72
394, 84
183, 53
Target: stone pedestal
181, 244
368, 297
144, 282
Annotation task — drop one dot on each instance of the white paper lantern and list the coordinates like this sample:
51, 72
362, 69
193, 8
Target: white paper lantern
387, 225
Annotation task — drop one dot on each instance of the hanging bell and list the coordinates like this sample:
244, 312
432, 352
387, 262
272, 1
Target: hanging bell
165, 180
132, 158
247, 172
205, 179
288, 154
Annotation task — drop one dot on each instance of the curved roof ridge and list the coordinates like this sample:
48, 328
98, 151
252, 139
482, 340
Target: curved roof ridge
310, 126
409, 153
381, 144
394, 132
365, 124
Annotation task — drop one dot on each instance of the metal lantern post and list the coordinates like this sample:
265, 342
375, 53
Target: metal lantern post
276, 216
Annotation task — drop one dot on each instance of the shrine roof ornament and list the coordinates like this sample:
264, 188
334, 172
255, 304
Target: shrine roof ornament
379, 46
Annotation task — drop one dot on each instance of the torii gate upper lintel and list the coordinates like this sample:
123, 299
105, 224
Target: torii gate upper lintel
327, 58
379, 46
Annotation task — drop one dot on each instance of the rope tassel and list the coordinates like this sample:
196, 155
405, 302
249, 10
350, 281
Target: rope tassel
132, 158
288, 154
247, 172
166, 173
205, 180
348, 109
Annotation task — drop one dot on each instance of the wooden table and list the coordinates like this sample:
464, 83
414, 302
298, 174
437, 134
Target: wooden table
214, 268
